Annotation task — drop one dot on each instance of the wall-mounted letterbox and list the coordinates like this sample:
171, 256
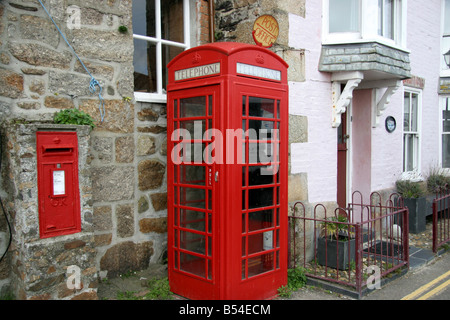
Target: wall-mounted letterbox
227, 122
58, 189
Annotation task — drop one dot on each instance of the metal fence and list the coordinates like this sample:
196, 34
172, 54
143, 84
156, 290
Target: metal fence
441, 219
356, 246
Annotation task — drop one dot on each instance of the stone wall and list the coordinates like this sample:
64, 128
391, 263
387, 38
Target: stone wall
234, 21
39, 75
39, 268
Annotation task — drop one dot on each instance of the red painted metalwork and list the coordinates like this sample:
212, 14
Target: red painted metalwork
441, 219
227, 210
59, 196
380, 236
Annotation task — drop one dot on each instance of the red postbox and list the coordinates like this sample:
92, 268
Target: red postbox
58, 190
227, 172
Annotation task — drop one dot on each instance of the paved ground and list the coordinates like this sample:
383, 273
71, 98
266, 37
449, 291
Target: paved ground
424, 266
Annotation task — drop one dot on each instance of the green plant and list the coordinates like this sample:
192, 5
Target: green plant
409, 189
127, 295
123, 29
337, 228
284, 292
437, 181
73, 116
296, 280
159, 289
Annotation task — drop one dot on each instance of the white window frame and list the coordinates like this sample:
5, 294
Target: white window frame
416, 172
442, 103
445, 70
160, 96
369, 26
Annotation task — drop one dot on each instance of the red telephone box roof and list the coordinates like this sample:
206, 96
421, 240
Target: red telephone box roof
227, 58
227, 48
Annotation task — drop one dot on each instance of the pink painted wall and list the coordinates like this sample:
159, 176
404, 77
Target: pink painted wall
312, 98
361, 141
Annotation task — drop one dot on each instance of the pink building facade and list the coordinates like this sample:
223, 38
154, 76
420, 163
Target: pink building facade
369, 65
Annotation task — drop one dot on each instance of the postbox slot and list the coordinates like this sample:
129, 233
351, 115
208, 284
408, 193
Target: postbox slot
57, 149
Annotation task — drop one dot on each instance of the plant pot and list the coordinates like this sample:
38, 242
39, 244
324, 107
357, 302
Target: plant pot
417, 208
335, 254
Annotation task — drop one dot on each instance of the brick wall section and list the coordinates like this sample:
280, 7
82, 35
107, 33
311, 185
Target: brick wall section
204, 17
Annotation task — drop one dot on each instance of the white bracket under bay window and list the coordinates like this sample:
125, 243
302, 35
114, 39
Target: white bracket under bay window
161, 31
383, 91
341, 100
356, 21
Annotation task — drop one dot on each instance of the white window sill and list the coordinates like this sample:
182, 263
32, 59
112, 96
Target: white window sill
150, 97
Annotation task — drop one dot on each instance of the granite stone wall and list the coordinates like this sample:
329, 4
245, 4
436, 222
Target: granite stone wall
125, 160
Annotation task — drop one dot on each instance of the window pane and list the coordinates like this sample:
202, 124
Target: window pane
386, 18
193, 107
192, 198
194, 220
144, 62
446, 116
344, 16
172, 20
192, 175
414, 112
144, 18
410, 152
261, 107
260, 264
258, 198
168, 53
446, 151
192, 264
260, 220
259, 175
447, 18
406, 112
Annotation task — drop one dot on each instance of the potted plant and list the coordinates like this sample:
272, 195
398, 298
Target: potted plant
336, 243
414, 198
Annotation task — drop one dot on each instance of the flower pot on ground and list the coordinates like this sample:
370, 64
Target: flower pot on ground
415, 199
336, 244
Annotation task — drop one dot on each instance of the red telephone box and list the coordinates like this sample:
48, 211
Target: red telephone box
227, 114
59, 196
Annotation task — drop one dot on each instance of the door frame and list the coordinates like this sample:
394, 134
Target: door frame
348, 158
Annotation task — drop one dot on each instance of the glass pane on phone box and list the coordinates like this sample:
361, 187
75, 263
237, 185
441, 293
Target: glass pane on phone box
193, 107
261, 107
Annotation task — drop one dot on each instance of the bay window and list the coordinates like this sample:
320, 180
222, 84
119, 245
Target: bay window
365, 20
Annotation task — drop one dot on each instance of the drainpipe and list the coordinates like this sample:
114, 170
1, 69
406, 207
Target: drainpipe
211, 20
